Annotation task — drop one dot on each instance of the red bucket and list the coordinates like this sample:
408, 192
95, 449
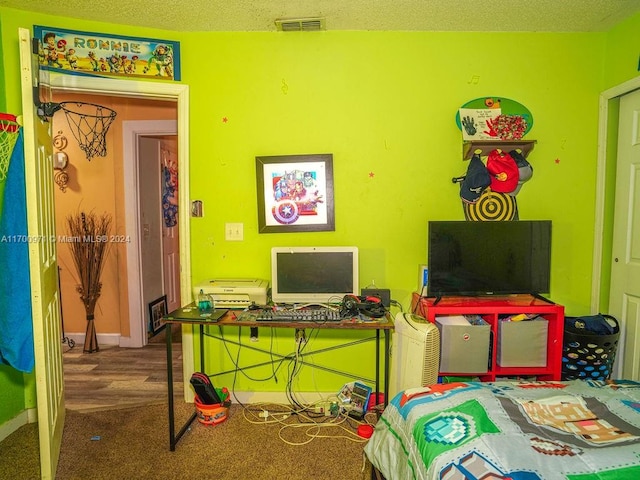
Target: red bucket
212, 414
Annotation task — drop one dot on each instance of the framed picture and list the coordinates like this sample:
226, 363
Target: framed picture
295, 193
157, 310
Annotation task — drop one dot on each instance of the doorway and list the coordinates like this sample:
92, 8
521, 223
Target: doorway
159, 91
124, 185
149, 144
604, 221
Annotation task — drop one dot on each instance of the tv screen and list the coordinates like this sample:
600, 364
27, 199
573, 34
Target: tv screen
313, 274
489, 258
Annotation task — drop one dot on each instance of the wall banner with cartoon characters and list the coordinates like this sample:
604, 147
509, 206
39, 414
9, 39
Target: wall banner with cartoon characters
85, 53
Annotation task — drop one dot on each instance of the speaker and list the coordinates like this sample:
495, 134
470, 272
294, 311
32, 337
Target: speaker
369, 306
383, 293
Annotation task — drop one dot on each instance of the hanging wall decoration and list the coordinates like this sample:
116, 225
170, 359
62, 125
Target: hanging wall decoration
87, 53
60, 162
295, 193
169, 190
493, 118
492, 132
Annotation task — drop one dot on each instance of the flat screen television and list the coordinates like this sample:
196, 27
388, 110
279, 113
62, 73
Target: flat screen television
313, 274
489, 258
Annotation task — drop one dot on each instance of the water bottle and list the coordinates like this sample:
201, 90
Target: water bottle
205, 302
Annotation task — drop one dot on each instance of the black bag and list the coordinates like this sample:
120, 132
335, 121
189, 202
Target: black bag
589, 347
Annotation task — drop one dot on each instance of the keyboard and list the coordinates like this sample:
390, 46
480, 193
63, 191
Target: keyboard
317, 315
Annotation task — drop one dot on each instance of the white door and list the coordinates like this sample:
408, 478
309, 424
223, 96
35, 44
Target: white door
47, 333
150, 221
624, 301
170, 237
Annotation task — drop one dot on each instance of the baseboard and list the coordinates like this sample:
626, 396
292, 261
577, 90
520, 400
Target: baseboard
103, 338
23, 418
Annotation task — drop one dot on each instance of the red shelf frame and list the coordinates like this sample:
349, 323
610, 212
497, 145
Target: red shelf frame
491, 308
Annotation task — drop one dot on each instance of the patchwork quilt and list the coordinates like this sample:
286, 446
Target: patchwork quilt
575, 430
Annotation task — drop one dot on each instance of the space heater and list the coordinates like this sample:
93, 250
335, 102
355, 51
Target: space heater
415, 353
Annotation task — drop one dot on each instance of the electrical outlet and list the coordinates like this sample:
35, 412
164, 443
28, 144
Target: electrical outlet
234, 232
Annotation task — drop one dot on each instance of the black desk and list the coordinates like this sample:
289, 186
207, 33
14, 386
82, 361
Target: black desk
185, 316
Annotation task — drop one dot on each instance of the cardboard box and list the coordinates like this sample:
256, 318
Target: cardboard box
464, 348
523, 343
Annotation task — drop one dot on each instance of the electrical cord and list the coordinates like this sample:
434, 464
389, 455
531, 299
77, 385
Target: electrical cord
297, 415
284, 416
397, 304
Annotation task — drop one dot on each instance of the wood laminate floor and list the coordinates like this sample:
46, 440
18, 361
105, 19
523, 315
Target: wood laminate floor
116, 377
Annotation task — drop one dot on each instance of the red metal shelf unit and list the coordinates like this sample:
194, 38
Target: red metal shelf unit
491, 309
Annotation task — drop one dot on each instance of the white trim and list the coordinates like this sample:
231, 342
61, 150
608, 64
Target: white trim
601, 170
131, 130
170, 91
103, 339
12, 425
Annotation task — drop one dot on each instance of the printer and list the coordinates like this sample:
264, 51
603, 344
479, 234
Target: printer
234, 292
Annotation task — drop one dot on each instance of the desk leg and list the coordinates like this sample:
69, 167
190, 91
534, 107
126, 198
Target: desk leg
172, 428
377, 391
386, 367
202, 348
173, 438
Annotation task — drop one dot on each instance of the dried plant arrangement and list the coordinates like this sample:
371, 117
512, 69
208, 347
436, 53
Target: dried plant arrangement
88, 239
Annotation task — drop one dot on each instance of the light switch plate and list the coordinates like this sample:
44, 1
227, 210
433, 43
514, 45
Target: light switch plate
234, 232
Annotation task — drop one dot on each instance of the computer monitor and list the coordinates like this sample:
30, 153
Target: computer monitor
313, 274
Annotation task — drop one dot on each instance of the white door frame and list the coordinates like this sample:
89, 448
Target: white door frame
601, 170
131, 131
163, 91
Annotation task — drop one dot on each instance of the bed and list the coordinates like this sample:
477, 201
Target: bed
577, 430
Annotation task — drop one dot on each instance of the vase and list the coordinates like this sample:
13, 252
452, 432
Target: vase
90, 338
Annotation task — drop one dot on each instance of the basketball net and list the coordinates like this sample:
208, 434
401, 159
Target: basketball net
8, 135
89, 124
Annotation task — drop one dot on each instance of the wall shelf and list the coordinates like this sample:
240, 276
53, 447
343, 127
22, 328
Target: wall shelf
468, 147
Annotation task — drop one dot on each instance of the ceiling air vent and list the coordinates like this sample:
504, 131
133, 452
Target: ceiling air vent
300, 24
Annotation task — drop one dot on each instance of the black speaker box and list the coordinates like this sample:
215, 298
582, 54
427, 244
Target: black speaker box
383, 293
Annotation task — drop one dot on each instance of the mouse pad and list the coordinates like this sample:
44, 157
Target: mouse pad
193, 314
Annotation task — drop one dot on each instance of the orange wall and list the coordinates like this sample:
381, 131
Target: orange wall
98, 185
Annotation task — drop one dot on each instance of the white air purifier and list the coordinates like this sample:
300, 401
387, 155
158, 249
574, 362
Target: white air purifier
415, 353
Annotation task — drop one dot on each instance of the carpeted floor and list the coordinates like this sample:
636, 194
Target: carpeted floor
133, 443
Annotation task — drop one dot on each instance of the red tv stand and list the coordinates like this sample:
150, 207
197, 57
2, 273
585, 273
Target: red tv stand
491, 309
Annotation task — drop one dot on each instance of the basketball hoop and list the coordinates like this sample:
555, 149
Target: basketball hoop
89, 124
8, 135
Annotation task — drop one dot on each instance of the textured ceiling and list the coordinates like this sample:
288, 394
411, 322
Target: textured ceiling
425, 15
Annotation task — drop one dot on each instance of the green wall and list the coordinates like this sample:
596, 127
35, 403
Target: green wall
622, 52
384, 104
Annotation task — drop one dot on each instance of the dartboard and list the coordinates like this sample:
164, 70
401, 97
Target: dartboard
491, 206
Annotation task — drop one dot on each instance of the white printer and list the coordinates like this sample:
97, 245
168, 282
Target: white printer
234, 292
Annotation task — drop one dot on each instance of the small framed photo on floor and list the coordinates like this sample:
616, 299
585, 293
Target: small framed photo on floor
157, 310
